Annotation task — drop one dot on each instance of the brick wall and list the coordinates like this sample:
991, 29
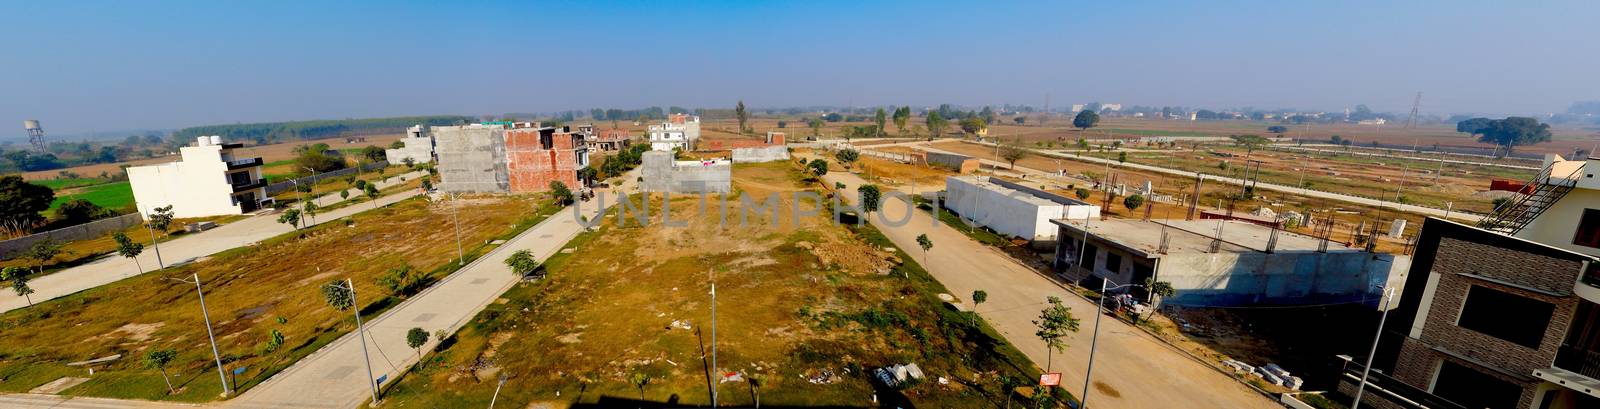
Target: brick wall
530, 167
1419, 357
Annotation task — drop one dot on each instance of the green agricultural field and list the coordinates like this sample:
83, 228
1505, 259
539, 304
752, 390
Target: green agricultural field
58, 184
114, 196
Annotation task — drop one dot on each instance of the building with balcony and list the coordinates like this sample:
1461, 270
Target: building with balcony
208, 181
1489, 320
519, 157
680, 131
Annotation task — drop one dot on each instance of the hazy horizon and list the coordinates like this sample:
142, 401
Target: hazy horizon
124, 66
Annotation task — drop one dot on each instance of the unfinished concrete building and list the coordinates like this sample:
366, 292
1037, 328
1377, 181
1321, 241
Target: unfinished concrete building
417, 146
1012, 209
662, 173
512, 158
1223, 262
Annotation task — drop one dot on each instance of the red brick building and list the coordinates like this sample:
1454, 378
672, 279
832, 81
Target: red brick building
536, 156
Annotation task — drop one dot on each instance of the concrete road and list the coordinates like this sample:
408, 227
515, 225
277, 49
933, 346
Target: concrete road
336, 375
1429, 211
111, 268
31, 400
1132, 369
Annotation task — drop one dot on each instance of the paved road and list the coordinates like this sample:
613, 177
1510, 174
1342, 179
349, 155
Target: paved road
1143, 371
335, 376
111, 268
1429, 211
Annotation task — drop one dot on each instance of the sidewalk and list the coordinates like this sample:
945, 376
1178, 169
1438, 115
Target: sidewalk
1132, 369
110, 268
335, 376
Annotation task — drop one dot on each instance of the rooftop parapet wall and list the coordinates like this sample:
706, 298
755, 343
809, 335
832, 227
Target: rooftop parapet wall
758, 155
663, 174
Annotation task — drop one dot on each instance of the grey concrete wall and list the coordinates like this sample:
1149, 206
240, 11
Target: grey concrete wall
662, 174
1290, 277
949, 160
14, 247
471, 159
758, 155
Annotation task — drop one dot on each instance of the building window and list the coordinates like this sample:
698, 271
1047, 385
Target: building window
1113, 262
1507, 316
1464, 385
1588, 229
1087, 259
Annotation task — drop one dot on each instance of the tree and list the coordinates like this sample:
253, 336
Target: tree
818, 167
1082, 193
43, 252
973, 125
1012, 153
1122, 157
1278, 129
127, 248
1019, 119
1054, 323
77, 211
337, 295
1249, 142
639, 380
401, 280
1472, 126
1158, 290
882, 119
901, 116
522, 263
847, 156
1132, 202
158, 359
310, 209
978, 297
744, 116
1514, 131
936, 125
587, 175
21, 202
373, 153
415, 338
1086, 119
345, 194
870, 197
318, 157
372, 194
926, 244
19, 282
290, 217
816, 126
987, 115
560, 193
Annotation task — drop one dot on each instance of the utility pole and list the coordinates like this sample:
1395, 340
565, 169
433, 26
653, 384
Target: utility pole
455, 214
1388, 295
718, 378
221, 375
497, 391
153, 242
1412, 122
356, 307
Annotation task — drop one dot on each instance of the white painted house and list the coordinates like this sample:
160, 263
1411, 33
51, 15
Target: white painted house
680, 131
418, 146
1012, 209
208, 181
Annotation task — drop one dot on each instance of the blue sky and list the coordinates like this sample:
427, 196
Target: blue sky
103, 66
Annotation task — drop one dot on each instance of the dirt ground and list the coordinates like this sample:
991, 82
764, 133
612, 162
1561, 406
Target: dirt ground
805, 308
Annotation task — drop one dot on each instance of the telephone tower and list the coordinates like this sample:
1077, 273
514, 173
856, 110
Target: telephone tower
1412, 121
35, 134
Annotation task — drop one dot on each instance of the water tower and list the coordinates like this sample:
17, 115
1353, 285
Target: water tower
35, 134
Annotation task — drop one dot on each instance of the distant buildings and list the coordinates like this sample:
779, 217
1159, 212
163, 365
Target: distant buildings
1374, 121
611, 139
208, 181
680, 131
416, 146
519, 157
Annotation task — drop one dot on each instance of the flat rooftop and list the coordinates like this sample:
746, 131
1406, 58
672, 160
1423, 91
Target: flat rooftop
1192, 236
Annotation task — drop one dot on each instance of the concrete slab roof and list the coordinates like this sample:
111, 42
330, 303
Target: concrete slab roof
1191, 236
983, 182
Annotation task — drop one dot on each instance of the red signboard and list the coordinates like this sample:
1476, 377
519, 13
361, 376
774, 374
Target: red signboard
1050, 379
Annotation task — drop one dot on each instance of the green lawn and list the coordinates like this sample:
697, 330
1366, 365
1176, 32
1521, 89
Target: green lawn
113, 196
58, 184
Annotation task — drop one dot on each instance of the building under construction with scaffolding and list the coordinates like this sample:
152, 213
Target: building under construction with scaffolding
1222, 263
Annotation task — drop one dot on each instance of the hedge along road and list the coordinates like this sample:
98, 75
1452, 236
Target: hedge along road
111, 268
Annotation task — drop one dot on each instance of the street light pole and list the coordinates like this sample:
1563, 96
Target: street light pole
1388, 295
718, 381
497, 391
153, 242
1083, 400
455, 215
373, 382
221, 375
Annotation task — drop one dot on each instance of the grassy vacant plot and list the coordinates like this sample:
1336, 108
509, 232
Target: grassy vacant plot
115, 195
252, 293
808, 309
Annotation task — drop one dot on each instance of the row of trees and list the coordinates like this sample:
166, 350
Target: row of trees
270, 132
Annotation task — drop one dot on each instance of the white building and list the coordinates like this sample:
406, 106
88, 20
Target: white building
209, 181
1374, 121
1012, 209
680, 131
417, 146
